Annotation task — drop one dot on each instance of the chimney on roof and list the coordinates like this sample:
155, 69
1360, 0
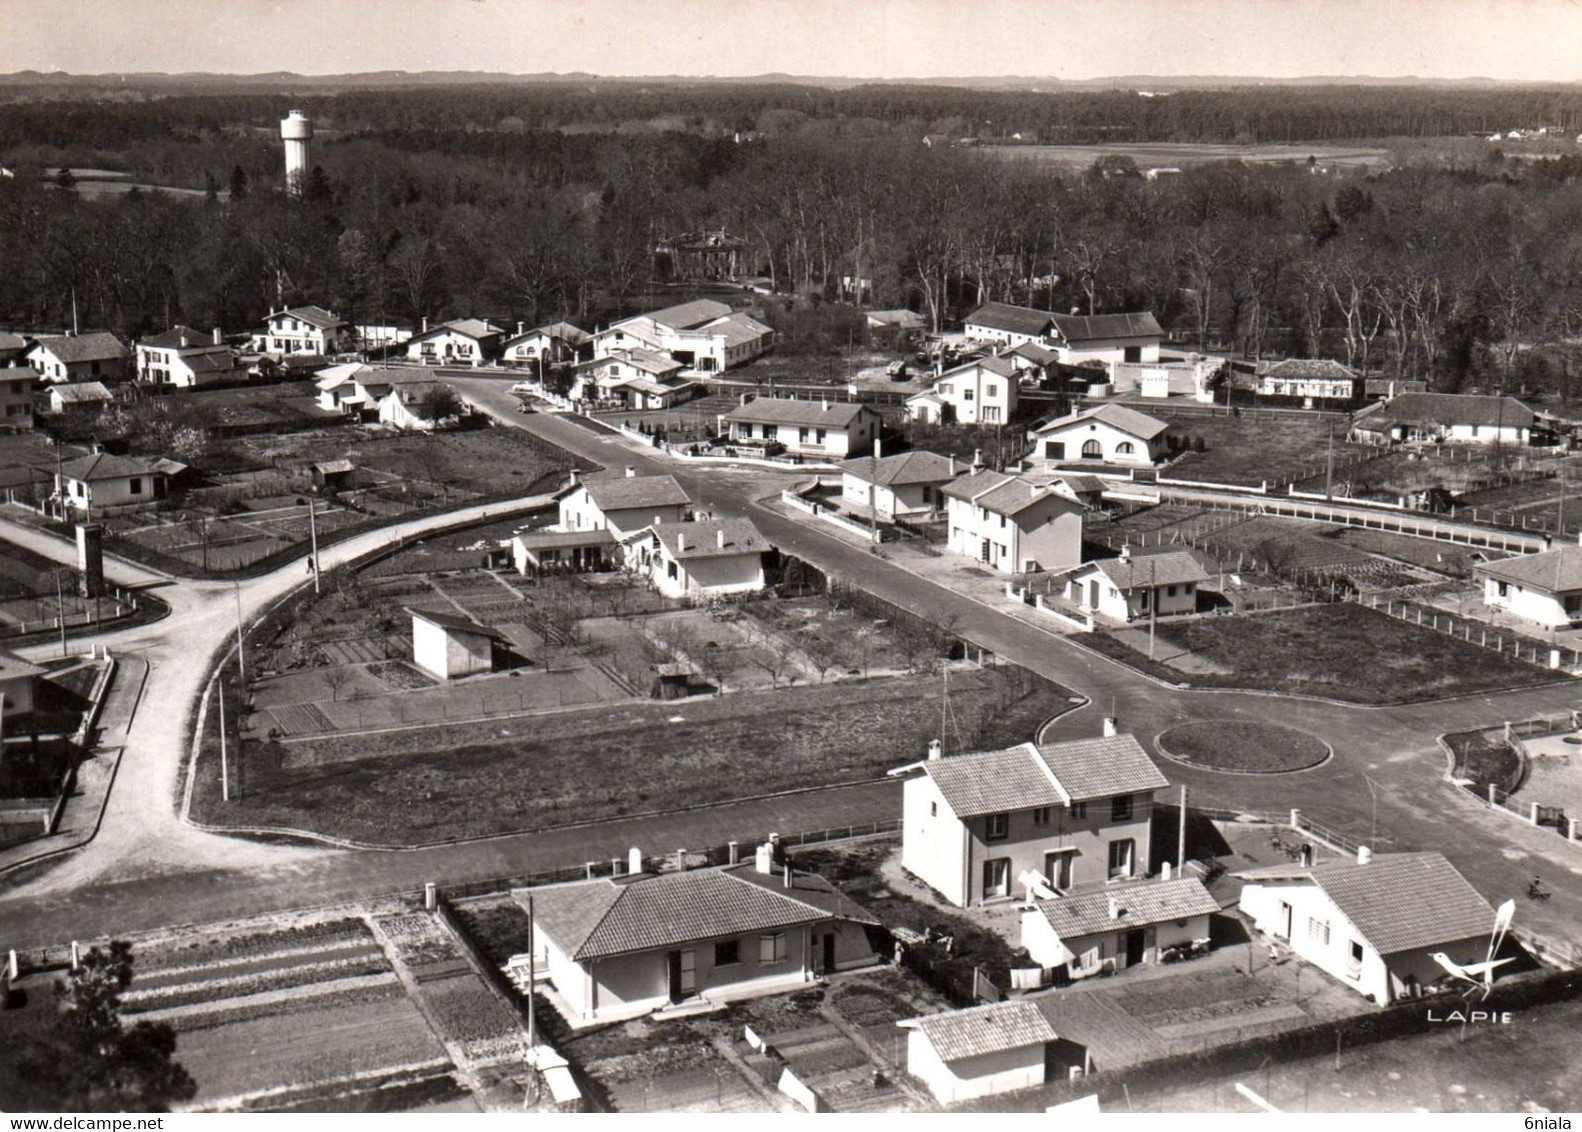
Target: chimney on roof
764, 859
1076, 310
681, 541
935, 750
425, 324
634, 860
823, 404
1364, 855
631, 472
719, 538
184, 342
519, 328
1115, 908
878, 446
1126, 552
1110, 727
977, 458
218, 340
1164, 871
788, 874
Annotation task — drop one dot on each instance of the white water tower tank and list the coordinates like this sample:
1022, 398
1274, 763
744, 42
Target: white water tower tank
296, 130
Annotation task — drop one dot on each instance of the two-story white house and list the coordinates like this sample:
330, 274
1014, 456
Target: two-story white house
1544, 588
183, 358
831, 430
981, 392
1372, 923
699, 558
95, 356
623, 504
1014, 524
705, 336
304, 330
905, 485
1107, 434
460, 342
1076, 813
638, 378
1130, 586
16, 397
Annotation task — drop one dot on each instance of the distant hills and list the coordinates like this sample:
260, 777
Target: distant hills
1160, 84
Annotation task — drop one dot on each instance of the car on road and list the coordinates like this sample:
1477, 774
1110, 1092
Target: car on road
525, 387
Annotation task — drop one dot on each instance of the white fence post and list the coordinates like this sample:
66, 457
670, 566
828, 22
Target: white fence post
1532, 813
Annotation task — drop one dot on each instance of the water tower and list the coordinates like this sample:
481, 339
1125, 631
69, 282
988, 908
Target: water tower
296, 130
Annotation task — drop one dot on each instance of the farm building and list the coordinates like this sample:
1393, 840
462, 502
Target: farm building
626, 503
1313, 379
1456, 417
18, 681
1077, 813
1372, 923
95, 356
459, 342
824, 429
1013, 524
905, 485
102, 480
626, 946
447, 646
1545, 588
982, 391
701, 558
1129, 337
1110, 929
1132, 586
1108, 434
962, 1054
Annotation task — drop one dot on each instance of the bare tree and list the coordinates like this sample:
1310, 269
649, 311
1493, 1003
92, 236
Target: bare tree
774, 659
337, 678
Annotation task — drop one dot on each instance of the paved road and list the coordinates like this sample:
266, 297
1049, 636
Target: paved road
147, 868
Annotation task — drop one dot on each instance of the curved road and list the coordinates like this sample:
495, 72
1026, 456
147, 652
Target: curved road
148, 868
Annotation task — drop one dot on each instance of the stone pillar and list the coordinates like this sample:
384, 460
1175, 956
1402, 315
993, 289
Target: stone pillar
430, 896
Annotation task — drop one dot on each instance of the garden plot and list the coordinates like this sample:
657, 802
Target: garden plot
1252, 450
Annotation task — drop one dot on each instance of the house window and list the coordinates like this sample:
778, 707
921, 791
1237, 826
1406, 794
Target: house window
819, 436
996, 877
1092, 450
1121, 807
1125, 448
1041, 815
1504, 589
1170, 591
1079, 809
989, 391
997, 827
772, 948
1054, 450
727, 952
1121, 854
1318, 930
1354, 963
933, 809
966, 394
134, 486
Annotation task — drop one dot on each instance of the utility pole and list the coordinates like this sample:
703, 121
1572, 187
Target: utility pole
873, 491
1181, 835
241, 650
1329, 465
60, 611
313, 536
532, 982
225, 766
1153, 605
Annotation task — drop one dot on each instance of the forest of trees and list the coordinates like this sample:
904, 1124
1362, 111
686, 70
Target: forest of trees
1430, 270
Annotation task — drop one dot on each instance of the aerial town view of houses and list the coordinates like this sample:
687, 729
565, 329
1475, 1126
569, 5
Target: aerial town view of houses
788, 596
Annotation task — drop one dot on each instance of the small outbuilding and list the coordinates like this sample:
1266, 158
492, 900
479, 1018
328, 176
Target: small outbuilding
1119, 926
447, 646
970, 1053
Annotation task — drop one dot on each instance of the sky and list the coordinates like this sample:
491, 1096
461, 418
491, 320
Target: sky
1537, 40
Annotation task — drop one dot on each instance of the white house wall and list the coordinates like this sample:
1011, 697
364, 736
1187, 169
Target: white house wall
1110, 440
1538, 606
933, 841
954, 1081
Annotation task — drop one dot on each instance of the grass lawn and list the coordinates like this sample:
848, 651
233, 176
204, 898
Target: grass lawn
1250, 748
1485, 757
1249, 451
1345, 651
535, 772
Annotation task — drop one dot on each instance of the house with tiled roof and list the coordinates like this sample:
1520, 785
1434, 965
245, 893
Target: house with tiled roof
1456, 417
904, 485
79, 397
95, 356
1106, 434
699, 558
1032, 361
1372, 922
983, 1050
1131, 586
621, 947
308, 330
1312, 379
94, 482
1002, 324
822, 429
184, 358
1107, 930
460, 342
636, 378
1131, 337
705, 336
621, 504
555, 343
1545, 588
1012, 523
1076, 813
982, 391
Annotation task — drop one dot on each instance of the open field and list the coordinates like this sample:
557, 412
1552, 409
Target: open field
1342, 651
1184, 154
1254, 450
435, 783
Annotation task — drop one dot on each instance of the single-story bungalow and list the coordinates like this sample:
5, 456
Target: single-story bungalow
905, 485
700, 558
1546, 587
447, 646
1108, 434
1317, 379
1118, 926
1133, 586
459, 342
1373, 923
102, 480
620, 947
962, 1054
79, 397
536, 551
1456, 417
826, 429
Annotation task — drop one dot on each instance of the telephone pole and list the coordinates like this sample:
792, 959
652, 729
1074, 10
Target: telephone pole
313, 536
225, 766
241, 650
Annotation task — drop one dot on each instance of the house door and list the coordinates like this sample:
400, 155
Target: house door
1283, 927
1134, 947
985, 550
829, 952
683, 974
1057, 869
1093, 594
